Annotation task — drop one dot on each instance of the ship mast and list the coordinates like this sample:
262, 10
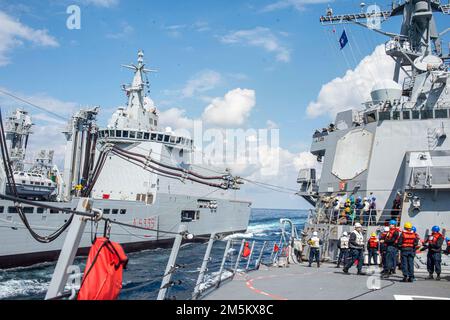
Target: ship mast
418, 37
136, 91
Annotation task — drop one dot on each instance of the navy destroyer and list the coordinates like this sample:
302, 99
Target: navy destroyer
135, 173
388, 160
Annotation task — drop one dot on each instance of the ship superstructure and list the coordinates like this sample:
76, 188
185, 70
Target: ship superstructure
134, 172
394, 152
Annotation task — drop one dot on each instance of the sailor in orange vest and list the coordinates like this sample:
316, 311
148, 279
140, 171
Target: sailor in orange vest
372, 248
447, 251
434, 245
246, 252
391, 248
407, 243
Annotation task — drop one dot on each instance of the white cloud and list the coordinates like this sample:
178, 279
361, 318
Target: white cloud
231, 110
175, 118
353, 89
13, 34
262, 38
126, 31
201, 82
102, 3
298, 5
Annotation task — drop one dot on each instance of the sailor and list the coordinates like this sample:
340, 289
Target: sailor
373, 211
343, 249
383, 248
447, 251
366, 211
391, 241
407, 243
314, 250
359, 205
396, 207
434, 245
356, 244
298, 249
372, 248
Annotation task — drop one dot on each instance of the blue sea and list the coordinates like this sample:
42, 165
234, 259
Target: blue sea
143, 275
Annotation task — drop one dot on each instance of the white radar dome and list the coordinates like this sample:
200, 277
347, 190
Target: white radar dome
386, 90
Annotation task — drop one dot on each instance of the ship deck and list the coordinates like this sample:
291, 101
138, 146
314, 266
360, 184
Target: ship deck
299, 282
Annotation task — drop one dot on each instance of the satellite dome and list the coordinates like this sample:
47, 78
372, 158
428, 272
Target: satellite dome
386, 90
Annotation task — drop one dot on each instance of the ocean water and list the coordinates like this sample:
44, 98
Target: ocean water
142, 277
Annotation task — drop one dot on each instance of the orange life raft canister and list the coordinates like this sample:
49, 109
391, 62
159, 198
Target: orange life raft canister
102, 278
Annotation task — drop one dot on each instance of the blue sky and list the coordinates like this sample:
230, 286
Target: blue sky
278, 49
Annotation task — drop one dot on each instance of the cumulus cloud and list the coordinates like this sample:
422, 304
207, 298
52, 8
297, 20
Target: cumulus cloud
175, 118
231, 110
259, 37
353, 89
201, 82
298, 5
13, 34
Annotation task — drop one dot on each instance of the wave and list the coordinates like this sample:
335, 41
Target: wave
16, 288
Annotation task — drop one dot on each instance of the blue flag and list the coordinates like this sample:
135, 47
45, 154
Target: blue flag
343, 40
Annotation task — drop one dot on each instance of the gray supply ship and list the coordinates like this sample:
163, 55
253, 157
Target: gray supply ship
394, 151
135, 173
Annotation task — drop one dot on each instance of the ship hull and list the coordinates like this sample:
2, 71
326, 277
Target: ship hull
165, 215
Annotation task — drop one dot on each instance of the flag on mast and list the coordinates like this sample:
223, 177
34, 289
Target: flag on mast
343, 40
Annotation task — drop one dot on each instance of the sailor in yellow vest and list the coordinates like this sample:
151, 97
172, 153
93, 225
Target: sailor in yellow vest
314, 249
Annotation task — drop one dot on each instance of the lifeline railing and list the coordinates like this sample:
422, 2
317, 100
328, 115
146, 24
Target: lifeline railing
334, 217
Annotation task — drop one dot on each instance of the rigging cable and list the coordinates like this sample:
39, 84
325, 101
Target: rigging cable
33, 105
12, 186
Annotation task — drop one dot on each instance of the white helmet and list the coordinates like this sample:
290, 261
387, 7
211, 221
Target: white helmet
315, 233
358, 225
386, 229
345, 233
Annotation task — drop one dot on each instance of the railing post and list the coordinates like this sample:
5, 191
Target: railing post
204, 266
224, 259
68, 251
250, 256
171, 263
258, 262
238, 259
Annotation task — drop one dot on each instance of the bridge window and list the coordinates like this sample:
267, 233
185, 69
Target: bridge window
132, 135
396, 115
441, 113
125, 134
160, 137
28, 210
406, 115
426, 114
415, 114
119, 133
54, 211
112, 133
166, 138
146, 136
385, 115
139, 135
2, 209
153, 137
40, 210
